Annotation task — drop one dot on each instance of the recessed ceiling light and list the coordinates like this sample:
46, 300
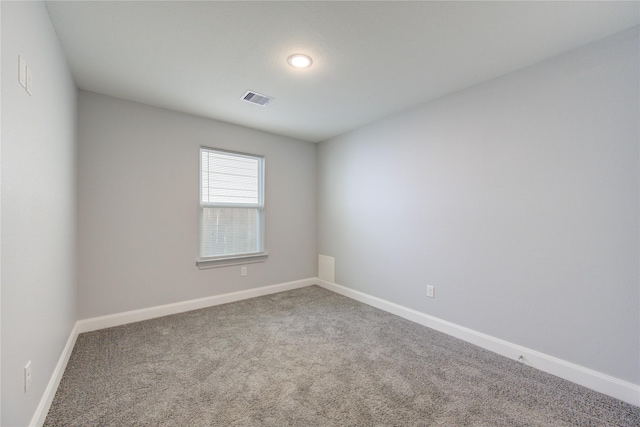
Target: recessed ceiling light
300, 60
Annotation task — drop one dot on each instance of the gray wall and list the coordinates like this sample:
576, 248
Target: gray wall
138, 206
517, 198
38, 207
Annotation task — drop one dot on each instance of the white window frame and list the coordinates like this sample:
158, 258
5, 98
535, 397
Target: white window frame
242, 258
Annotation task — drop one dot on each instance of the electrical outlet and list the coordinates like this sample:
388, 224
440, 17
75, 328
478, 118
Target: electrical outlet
22, 72
27, 376
243, 271
431, 291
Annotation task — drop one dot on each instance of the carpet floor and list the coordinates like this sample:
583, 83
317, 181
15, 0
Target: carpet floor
309, 357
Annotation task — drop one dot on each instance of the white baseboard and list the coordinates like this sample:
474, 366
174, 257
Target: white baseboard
606, 384
118, 319
594, 380
49, 393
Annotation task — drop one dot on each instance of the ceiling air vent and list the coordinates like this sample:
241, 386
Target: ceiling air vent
256, 98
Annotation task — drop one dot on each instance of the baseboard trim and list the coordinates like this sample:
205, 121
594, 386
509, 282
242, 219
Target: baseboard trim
49, 393
589, 378
606, 384
111, 320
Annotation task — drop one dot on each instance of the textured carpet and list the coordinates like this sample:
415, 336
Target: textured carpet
309, 357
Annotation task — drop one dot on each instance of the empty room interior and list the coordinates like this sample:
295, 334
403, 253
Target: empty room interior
320, 213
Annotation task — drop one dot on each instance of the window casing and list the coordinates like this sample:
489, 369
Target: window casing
231, 206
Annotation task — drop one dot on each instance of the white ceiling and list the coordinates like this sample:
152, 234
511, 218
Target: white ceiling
371, 59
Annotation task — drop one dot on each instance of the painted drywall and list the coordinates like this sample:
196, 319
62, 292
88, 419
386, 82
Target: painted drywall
39, 306
139, 207
518, 199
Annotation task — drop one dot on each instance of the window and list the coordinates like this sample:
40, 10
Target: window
231, 206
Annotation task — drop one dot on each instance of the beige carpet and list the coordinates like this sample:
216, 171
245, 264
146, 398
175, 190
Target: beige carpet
309, 357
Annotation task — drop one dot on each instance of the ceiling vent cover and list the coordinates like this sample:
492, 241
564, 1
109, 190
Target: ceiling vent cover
256, 98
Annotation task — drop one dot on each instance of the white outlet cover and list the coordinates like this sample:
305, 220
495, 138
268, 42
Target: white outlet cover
430, 291
22, 72
27, 376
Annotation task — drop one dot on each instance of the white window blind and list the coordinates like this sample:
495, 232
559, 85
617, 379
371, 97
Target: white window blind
231, 204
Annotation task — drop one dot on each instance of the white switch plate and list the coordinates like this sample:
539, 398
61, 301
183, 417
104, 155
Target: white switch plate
27, 376
22, 72
431, 291
29, 86
243, 271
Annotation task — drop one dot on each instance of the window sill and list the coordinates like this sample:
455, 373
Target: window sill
231, 260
